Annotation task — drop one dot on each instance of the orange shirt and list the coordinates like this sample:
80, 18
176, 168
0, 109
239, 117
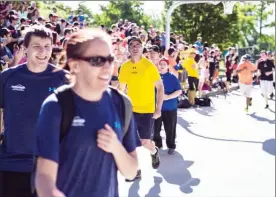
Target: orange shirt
172, 63
246, 76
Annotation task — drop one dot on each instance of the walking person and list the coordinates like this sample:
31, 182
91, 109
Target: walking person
85, 161
265, 70
141, 77
169, 108
245, 72
23, 88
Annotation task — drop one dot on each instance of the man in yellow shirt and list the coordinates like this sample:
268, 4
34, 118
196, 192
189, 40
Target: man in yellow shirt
193, 77
141, 77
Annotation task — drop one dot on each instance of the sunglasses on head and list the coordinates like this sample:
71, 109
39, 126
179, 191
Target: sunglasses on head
98, 61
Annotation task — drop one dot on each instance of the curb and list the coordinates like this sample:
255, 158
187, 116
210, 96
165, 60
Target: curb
221, 92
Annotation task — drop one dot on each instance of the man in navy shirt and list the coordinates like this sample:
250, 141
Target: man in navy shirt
169, 108
86, 161
23, 89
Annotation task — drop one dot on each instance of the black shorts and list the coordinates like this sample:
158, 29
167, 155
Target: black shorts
193, 83
228, 77
144, 124
15, 184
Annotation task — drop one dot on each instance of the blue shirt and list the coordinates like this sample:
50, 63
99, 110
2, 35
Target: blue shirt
22, 93
163, 40
171, 84
81, 18
84, 169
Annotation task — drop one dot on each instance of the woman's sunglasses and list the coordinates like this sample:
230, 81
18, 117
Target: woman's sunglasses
98, 61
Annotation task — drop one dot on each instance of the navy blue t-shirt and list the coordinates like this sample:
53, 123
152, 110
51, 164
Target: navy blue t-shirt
171, 84
22, 93
84, 169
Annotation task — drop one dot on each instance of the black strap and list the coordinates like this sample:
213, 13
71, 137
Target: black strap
65, 98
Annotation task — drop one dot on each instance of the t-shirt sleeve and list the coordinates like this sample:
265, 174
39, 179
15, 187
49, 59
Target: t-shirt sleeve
155, 76
123, 75
48, 129
177, 84
131, 140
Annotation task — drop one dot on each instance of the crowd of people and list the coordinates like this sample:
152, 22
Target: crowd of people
68, 126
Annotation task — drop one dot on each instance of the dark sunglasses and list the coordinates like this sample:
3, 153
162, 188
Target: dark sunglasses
98, 61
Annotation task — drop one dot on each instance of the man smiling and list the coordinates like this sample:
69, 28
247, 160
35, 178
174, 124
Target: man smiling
22, 91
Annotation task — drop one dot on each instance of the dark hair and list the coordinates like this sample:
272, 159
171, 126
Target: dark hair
67, 30
38, 31
170, 51
54, 34
79, 41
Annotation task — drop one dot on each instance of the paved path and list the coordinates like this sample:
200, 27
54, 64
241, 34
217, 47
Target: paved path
221, 151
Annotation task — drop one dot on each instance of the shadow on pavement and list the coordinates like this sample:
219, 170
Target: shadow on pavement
269, 146
205, 111
174, 170
134, 189
271, 111
155, 190
186, 126
261, 119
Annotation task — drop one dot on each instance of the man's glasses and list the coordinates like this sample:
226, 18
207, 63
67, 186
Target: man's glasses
98, 61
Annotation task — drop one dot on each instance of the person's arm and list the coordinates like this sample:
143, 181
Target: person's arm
45, 179
160, 94
127, 163
47, 150
173, 95
123, 78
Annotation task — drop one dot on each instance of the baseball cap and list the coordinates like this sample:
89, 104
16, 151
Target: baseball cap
14, 17
247, 57
155, 48
134, 38
164, 60
4, 31
41, 18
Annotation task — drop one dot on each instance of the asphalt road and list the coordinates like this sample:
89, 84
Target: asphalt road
221, 151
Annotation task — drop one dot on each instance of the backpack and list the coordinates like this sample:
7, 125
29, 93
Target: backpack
203, 102
65, 98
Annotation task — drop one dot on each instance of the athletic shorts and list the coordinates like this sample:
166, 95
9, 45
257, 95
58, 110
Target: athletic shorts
266, 87
228, 77
144, 124
246, 90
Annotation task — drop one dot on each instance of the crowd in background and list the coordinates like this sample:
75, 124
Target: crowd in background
15, 21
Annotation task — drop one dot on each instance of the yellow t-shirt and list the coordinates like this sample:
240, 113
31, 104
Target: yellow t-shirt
140, 79
187, 63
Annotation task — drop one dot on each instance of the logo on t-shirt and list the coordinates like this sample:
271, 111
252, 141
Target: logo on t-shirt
18, 87
78, 122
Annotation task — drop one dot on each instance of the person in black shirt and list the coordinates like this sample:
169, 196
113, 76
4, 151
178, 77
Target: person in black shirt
266, 68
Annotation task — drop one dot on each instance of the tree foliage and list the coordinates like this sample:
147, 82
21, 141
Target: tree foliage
244, 26
208, 21
115, 10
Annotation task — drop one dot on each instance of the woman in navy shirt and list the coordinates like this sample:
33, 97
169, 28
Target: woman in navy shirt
86, 161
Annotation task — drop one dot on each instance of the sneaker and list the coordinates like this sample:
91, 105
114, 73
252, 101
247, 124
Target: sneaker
272, 95
267, 106
171, 151
250, 103
246, 109
155, 159
138, 176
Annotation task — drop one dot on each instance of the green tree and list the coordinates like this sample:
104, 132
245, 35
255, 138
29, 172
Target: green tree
115, 10
208, 21
252, 20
